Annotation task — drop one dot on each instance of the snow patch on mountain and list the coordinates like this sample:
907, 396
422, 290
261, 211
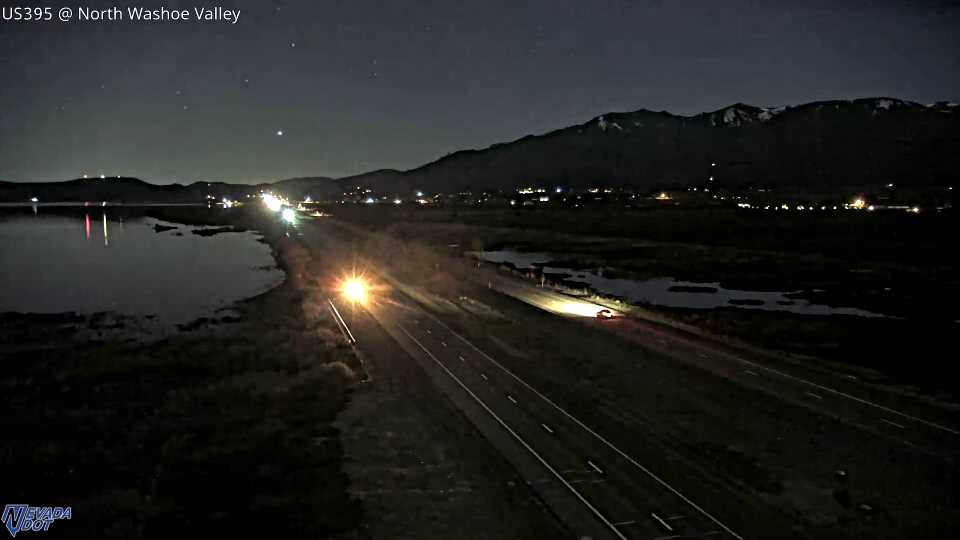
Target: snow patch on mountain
769, 112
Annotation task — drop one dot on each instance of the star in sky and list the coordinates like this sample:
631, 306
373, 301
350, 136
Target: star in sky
279, 133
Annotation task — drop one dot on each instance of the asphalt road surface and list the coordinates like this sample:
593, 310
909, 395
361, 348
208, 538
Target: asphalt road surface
607, 471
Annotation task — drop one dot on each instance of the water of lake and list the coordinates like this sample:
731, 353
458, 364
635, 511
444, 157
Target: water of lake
107, 260
669, 292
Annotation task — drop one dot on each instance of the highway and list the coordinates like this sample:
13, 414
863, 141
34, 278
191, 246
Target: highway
609, 494
836, 394
629, 464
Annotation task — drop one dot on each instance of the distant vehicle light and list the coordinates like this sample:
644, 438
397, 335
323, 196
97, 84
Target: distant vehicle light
34, 199
272, 202
604, 314
355, 290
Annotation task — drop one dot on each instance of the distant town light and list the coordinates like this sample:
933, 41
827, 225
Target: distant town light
663, 196
307, 199
419, 194
370, 200
915, 209
103, 177
397, 201
859, 203
34, 199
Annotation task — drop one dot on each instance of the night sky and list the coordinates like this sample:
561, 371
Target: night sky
357, 85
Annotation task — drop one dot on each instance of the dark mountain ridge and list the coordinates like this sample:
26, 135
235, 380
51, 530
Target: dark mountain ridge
824, 146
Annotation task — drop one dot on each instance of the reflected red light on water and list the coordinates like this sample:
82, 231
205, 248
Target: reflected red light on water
87, 220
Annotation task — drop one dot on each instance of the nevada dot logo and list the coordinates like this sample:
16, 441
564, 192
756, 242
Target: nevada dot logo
24, 517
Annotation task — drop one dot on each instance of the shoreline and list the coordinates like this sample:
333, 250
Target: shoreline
136, 435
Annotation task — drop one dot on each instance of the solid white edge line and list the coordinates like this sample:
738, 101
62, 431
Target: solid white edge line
519, 439
341, 321
586, 428
844, 394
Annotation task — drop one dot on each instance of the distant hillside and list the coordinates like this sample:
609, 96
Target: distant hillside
117, 189
825, 146
317, 187
822, 146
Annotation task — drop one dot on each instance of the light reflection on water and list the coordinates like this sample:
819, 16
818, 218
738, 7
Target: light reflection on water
658, 291
56, 263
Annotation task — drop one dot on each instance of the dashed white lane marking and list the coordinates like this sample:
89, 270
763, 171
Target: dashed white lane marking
461, 358
484, 377
811, 394
661, 522
754, 373
622, 523
594, 467
547, 428
511, 399
589, 430
593, 509
894, 424
444, 343
705, 356
428, 331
